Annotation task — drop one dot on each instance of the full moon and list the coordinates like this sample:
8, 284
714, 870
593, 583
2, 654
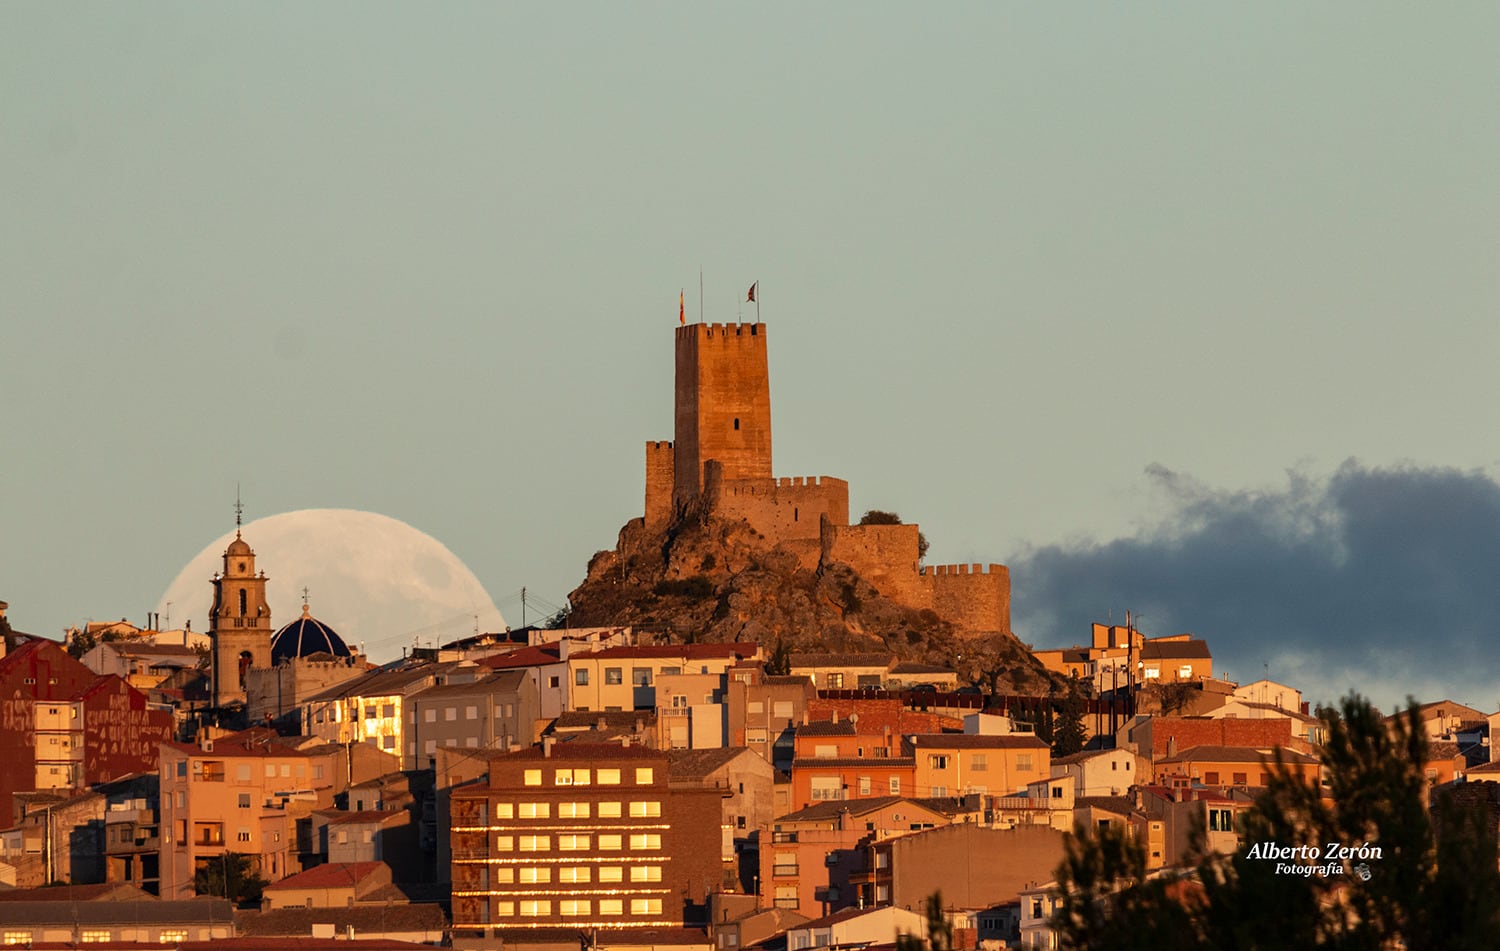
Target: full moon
375, 580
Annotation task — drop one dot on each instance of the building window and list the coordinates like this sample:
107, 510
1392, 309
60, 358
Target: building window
171, 935
571, 777
1220, 820
609, 777
609, 810
581, 676
534, 810
980, 762
645, 873
1240, 779
610, 843
572, 810
532, 908
645, 841
640, 676
611, 873
505, 909
554, 682
573, 907
614, 676
937, 761
1023, 761
864, 785
835, 681
568, 842
574, 875
895, 785
101, 935
504, 843
645, 810
645, 906
536, 843
532, 777
644, 776
15, 937
611, 906
536, 876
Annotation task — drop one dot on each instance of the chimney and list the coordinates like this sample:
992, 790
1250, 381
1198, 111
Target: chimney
835, 717
547, 742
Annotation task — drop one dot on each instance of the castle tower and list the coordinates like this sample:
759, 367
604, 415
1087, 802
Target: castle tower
239, 624
723, 405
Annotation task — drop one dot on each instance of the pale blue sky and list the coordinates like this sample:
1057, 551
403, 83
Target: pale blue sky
423, 260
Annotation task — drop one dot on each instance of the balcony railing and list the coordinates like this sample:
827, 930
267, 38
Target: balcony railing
783, 837
784, 871
470, 855
787, 902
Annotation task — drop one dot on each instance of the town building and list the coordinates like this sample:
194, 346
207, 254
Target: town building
809, 859
479, 709
239, 793
64, 727
949, 764
582, 836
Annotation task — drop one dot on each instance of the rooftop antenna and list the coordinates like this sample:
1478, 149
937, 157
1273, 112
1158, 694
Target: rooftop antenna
239, 510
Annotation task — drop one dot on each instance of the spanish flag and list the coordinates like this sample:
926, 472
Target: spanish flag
751, 298
682, 307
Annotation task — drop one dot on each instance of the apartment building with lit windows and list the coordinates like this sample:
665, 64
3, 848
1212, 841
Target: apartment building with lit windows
581, 835
624, 678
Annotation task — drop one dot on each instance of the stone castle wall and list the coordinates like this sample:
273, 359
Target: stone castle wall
884, 555
786, 509
971, 596
660, 463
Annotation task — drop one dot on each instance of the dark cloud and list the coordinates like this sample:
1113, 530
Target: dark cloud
1381, 580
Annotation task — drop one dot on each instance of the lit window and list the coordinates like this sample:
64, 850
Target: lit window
535, 909
645, 810
430, 716
609, 777
533, 777
572, 810
611, 873
572, 843
609, 810
504, 810
505, 909
534, 810
172, 935
504, 843
574, 875
536, 843
645, 906
535, 876
572, 907
95, 937
645, 873
609, 843
643, 776
645, 841
611, 906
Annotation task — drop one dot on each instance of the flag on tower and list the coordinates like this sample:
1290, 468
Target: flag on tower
750, 299
682, 307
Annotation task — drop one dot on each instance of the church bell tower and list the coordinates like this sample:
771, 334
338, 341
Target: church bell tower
239, 624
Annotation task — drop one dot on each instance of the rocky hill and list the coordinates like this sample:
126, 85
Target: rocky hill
715, 579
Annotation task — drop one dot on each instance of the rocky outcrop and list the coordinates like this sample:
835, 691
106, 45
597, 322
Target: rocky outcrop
707, 578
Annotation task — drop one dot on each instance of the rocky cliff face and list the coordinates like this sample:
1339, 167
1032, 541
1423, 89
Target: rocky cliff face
712, 579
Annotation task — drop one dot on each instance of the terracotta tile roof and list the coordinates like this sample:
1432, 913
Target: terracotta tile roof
366, 919
699, 764
537, 656
256, 741
105, 891
1237, 754
969, 741
278, 943
841, 660
1174, 650
328, 875
813, 762
737, 649
826, 728
368, 815
1120, 804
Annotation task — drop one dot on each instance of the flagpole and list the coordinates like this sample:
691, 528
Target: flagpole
700, 293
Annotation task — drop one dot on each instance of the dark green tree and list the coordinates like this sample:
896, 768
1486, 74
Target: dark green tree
779, 664
1069, 732
232, 876
1415, 884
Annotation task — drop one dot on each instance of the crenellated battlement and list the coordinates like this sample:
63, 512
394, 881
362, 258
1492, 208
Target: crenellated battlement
945, 570
658, 445
724, 331
769, 487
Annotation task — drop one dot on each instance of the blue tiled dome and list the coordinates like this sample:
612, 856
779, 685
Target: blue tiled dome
307, 636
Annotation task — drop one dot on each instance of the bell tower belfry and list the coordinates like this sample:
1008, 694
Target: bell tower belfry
239, 624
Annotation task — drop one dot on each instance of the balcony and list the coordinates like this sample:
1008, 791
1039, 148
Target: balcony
470, 855
784, 871
777, 837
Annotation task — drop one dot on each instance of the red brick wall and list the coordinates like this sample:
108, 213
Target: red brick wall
1228, 732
